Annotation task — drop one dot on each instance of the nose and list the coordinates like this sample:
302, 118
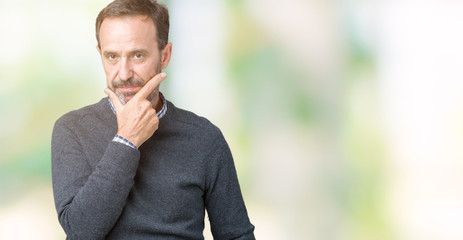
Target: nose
125, 70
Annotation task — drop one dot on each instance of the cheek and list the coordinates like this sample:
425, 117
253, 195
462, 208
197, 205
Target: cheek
145, 71
110, 72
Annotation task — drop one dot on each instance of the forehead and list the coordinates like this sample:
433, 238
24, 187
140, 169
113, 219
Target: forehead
129, 31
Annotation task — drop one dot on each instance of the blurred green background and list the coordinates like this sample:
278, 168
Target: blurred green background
344, 116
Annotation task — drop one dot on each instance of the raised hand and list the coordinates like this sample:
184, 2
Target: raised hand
137, 120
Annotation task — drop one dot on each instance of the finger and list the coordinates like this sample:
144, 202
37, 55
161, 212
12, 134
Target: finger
114, 99
150, 86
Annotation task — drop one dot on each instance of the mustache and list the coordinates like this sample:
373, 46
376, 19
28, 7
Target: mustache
129, 82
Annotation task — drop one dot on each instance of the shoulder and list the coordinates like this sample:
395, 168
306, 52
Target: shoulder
188, 120
198, 134
77, 117
198, 131
88, 127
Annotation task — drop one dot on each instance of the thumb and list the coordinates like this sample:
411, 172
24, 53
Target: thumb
114, 99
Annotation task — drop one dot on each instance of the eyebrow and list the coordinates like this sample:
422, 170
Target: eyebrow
106, 53
110, 52
142, 51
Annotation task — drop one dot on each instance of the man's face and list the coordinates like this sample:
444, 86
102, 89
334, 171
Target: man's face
130, 55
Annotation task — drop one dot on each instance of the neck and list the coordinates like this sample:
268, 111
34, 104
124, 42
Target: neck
157, 103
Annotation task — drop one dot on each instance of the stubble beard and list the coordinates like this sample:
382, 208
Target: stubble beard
123, 97
138, 82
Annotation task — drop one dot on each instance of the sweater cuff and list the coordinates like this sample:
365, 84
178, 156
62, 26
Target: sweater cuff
122, 156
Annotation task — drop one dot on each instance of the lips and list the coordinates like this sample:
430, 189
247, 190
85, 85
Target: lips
128, 90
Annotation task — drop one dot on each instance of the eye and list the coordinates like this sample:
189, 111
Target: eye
111, 57
138, 56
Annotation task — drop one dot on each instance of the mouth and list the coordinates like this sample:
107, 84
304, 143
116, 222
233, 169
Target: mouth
128, 89
127, 92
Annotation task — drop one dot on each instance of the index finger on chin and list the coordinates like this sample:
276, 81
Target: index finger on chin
150, 86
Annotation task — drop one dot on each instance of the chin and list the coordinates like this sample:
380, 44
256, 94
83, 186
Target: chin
123, 99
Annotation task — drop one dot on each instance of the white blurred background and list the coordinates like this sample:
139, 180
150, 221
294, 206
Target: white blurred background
344, 117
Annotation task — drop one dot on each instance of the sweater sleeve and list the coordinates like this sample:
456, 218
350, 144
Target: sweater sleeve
89, 200
224, 201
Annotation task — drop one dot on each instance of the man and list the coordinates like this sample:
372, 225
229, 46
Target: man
134, 166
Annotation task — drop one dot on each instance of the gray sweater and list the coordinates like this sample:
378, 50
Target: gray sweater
107, 190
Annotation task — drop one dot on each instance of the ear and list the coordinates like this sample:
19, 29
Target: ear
98, 49
165, 55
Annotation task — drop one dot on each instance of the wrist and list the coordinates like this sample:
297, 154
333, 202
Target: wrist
124, 140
